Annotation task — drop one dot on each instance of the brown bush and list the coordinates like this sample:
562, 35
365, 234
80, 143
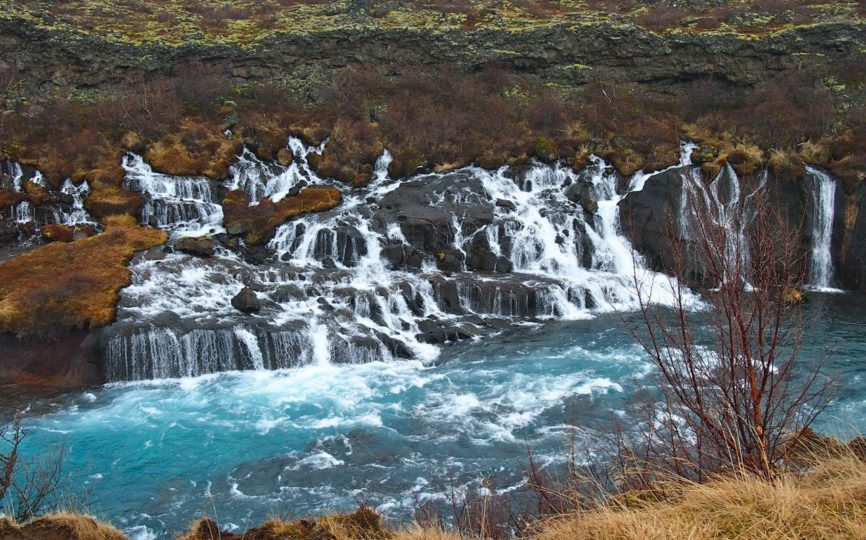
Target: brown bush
786, 110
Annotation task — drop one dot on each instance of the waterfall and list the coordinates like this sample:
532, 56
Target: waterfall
728, 209
182, 204
272, 180
822, 191
77, 213
400, 267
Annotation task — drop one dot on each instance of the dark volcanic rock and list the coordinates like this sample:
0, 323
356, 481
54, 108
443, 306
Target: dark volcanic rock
425, 208
201, 246
647, 216
246, 301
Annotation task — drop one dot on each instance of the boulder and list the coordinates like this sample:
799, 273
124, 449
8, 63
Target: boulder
200, 246
246, 301
507, 204
57, 233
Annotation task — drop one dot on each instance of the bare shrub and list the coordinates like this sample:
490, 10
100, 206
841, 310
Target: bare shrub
28, 484
732, 383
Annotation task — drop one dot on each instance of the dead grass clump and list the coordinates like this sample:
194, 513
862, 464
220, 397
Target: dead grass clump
362, 524
59, 526
827, 502
787, 165
62, 286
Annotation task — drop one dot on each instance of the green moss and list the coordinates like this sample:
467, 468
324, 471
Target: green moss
244, 22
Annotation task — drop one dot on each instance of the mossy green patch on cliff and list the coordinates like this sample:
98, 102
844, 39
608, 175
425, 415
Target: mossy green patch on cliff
63, 286
245, 22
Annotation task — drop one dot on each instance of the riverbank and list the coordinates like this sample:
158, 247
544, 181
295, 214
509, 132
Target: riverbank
826, 501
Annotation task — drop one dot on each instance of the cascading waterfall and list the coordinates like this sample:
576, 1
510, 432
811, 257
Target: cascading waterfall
64, 206
187, 204
728, 208
77, 214
272, 180
398, 268
822, 190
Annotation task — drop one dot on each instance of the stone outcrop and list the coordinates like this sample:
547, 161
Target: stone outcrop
567, 53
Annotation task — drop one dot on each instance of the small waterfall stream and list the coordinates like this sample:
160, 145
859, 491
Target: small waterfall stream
182, 204
64, 206
729, 208
822, 192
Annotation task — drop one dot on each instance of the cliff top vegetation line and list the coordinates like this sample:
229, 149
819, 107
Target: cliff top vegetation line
245, 22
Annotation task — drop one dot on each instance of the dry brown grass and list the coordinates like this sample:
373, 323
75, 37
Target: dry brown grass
59, 526
827, 502
63, 286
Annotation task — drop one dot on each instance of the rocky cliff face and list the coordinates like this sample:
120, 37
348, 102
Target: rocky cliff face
567, 54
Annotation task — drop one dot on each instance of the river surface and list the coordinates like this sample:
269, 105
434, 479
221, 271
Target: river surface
244, 446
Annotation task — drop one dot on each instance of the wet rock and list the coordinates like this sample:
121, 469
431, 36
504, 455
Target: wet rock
446, 294
646, 216
200, 246
285, 157
154, 254
437, 332
450, 260
329, 263
246, 301
324, 304
425, 210
589, 205
507, 204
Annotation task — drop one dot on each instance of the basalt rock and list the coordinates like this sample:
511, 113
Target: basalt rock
201, 246
246, 301
424, 209
581, 53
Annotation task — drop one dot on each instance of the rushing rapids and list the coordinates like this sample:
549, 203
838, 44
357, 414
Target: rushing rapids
399, 268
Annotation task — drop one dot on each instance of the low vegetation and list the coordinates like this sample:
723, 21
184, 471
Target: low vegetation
257, 222
245, 22
62, 286
827, 502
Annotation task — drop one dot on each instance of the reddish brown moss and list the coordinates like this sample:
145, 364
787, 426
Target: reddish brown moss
257, 223
9, 197
59, 287
57, 233
108, 200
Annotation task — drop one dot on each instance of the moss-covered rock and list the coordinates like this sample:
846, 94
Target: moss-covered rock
200, 246
257, 223
57, 233
108, 200
64, 286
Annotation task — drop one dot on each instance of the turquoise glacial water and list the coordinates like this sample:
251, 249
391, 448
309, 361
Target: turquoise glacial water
244, 446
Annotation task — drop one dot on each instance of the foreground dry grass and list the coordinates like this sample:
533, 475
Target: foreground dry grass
60, 526
827, 502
